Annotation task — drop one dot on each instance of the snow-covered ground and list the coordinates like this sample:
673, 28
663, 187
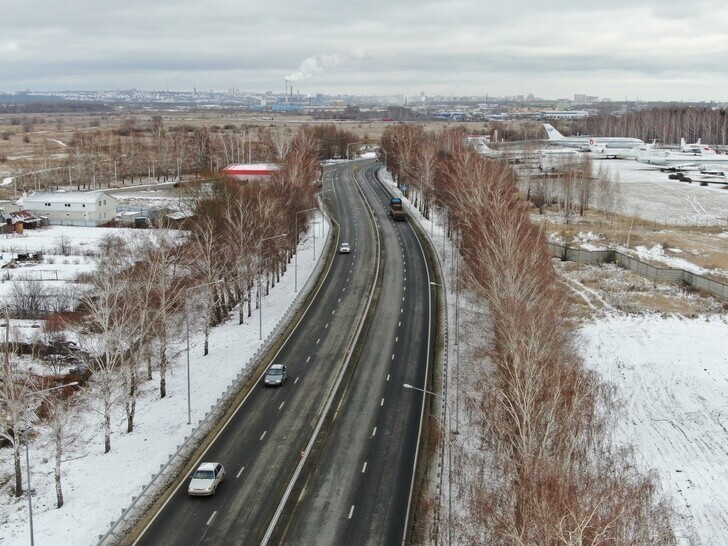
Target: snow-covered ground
66, 253
649, 194
98, 487
672, 374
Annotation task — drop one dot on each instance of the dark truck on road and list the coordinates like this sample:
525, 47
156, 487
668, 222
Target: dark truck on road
395, 208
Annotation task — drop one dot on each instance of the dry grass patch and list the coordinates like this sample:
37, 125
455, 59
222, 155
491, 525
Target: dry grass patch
630, 293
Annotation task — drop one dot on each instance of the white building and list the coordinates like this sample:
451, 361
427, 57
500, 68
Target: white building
564, 114
72, 208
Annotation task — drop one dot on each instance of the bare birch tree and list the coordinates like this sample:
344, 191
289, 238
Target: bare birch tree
14, 387
61, 420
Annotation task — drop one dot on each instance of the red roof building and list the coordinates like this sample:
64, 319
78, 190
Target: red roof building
251, 171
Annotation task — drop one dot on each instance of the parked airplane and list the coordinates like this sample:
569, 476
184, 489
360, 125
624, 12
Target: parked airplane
550, 160
479, 145
669, 160
612, 152
583, 143
695, 148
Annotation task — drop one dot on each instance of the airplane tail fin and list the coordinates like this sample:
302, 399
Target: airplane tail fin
552, 133
683, 144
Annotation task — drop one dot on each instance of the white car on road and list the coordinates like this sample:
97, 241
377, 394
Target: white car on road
206, 479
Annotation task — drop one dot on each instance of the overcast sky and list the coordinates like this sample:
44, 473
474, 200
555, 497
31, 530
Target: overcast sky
648, 49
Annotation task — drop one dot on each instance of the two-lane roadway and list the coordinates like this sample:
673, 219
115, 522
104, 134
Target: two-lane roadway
360, 490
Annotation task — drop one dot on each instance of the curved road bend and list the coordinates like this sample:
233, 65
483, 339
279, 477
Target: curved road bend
360, 490
261, 444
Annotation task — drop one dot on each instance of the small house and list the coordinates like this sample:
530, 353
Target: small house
72, 208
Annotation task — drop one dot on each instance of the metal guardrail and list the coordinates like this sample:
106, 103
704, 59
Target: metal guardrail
177, 460
663, 274
440, 474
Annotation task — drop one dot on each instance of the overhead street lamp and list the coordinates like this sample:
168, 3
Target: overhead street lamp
27, 449
260, 274
187, 327
295, 267
351, 144
449, 456
323, 210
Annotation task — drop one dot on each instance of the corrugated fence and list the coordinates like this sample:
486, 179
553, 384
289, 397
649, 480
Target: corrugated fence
651, 272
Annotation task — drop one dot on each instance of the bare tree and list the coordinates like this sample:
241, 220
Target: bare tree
205, 260
28, 297
549, 475
61, 419
14, 387
110, 318
162, 289
282, 139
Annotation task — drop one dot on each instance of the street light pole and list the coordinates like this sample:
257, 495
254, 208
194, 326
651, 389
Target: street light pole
449, 456
457, 330
260, 274
27, 450
351, 144
295, 267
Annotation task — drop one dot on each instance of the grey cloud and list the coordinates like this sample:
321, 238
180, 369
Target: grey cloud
378, 47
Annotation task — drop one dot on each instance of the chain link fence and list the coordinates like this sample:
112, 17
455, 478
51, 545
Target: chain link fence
661, 274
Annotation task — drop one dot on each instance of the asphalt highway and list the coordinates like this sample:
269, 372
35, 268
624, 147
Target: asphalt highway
355, 485
359, 492
263, 441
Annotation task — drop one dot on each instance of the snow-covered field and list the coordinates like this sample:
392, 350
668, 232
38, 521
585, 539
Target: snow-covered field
66, 253
649, 194
671, 374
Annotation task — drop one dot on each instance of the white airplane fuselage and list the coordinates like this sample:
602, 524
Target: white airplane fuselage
584, 143
613, 152
672, 159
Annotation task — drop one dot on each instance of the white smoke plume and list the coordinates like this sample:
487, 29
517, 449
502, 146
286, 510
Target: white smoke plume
315, 65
